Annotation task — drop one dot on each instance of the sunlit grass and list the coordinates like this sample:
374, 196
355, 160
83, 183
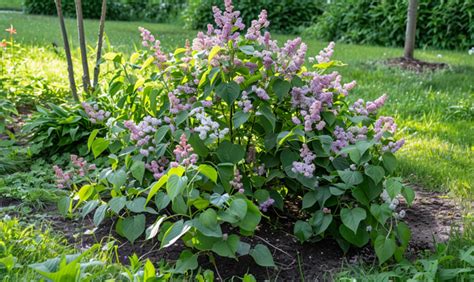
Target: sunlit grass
435, 111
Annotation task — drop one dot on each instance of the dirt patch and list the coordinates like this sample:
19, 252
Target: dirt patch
430, 217
414, 65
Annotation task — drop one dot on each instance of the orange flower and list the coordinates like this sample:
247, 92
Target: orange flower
11, 30
3, 44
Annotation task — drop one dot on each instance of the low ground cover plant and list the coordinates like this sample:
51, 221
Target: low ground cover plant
206, 141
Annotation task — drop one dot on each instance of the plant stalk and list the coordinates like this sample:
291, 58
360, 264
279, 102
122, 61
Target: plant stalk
99, 43
82, 45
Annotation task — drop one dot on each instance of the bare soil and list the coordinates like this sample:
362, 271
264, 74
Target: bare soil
414, 65
430, 218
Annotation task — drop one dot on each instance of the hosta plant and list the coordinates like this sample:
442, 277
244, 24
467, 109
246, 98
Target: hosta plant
207, 140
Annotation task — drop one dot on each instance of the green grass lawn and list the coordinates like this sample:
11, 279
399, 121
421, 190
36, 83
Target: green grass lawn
11, 4
434, 110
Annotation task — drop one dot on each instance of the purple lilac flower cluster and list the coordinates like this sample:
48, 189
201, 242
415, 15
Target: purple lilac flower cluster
158, 168
236, 183
95, 114
370, 107
260, 92
81, 165
254, 31
306, 167
184, 153
245, 103
351, 136
143, 133
325, 55
176, 104
382, 125
265, 205
149, 41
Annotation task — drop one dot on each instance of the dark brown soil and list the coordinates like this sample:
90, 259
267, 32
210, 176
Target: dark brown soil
414, 65
431, 217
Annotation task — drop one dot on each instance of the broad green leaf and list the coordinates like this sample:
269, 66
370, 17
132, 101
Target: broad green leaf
84, 193
99, 145
91, 139
262, 256
376, 173
137, 205
88, 207
131, 227
187, 261
352, 217
238, 208
208, 171
117, 178
138, 170
358, 239
351, 177
176, 185
381, 212
302, 230
174, 232
147, 63
99, 214
384, 248
230, 153
156, 186
213, 52
228, 247
161, 133
408, 194
240, 118
393, 187
404, 233
228, 91
251, 219
207, 224
149, 272
389, 162
116, 204
281, 88
267, 113
320, 222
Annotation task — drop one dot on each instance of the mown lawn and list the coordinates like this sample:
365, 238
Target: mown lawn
434, 110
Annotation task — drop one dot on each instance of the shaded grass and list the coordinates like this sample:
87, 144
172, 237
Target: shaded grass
11, 4
434, 110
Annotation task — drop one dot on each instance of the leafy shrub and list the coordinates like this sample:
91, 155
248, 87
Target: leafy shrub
284, 15
160, 10
59, 128
207, 139
440, 24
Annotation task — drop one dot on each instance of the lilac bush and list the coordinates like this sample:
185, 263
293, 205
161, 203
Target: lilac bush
232, 124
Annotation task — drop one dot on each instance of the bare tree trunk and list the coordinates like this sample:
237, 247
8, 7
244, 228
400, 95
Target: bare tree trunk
70, 69
99, 43
411, 29
82, 44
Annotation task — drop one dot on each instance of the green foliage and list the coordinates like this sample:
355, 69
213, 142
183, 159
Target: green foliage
156, 11
284, 15
440, 24
58, 128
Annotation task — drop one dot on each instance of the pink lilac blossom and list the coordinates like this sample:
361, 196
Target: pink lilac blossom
265, 205
254, 31
306, 167
370, 107
236, 183
184, 153
95, 114
149, 41
326, 54
63, 179
158, 168
344, 138
81, 165
291, 57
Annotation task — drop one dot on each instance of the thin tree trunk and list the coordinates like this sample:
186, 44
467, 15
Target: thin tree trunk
411, 29
99, 43
67, 49
82, 44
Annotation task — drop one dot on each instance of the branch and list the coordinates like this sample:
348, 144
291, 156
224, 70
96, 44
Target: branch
82, 44
70, 69
99, 43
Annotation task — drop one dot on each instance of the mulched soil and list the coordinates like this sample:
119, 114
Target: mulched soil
431, 216
414, 65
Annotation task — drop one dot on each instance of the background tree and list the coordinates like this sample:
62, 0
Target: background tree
99, 43
411, 29
82, 45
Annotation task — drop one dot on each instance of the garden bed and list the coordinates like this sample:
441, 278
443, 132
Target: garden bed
431, 217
